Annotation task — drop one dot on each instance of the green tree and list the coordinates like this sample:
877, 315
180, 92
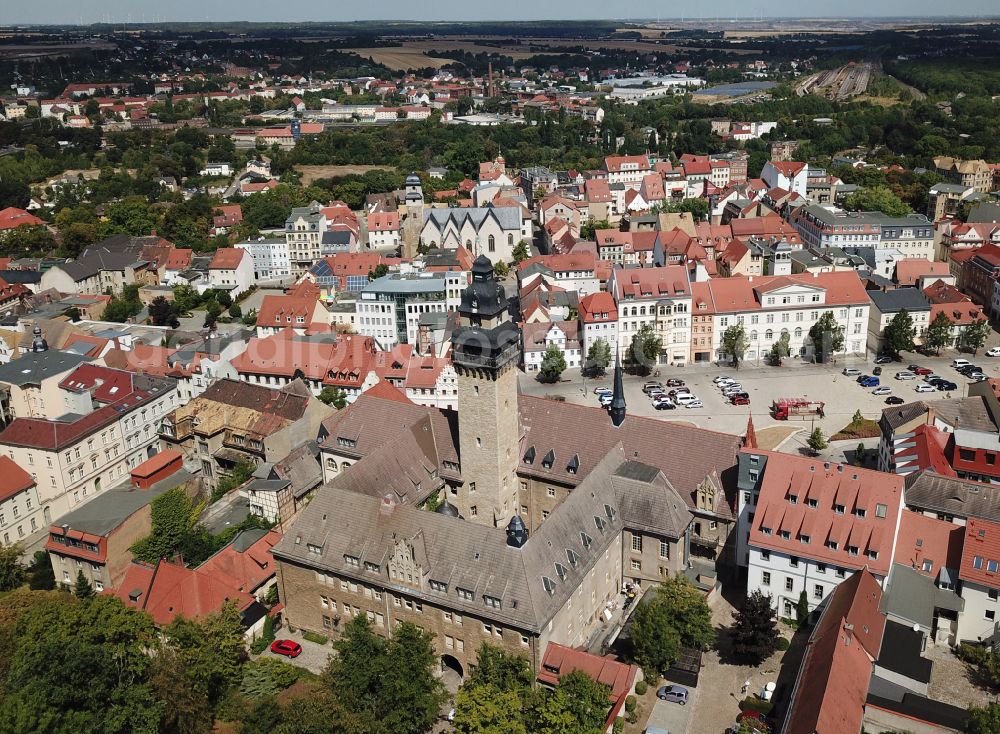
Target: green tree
380, 271
598, 358
974, 336
984, 720
82, 667
11, 570
780, 349
162, 312
734, 343
170, 520
213, 309
860, 452
585, 700
489, 709
333, 396
755, 630
186, 299
40, 573
899, 333
132, 215
210, 652
588, 230
521, 251
655, 641
553, 364
877, 199
827, 337
502, 669
938, 332
501, 269
389, 685
816, 441
82, 588
688, 610
645, 349
802, 609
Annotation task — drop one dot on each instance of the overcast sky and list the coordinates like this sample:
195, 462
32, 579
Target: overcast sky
89, 11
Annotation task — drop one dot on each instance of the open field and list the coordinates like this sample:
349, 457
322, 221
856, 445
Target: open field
400, 58
313, 173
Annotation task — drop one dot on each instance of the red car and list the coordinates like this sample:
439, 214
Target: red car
288, 648
922, 371
740, 400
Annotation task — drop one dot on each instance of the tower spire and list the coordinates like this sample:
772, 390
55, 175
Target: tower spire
750, 439
617, 407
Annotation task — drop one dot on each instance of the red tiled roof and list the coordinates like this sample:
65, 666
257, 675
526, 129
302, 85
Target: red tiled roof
877, 494
275, 311
981, 553
788, 168
668, 281
245, 571
13, 479
926, 539
155, 463
12, 217
168, 590
179, 259
960, 314
910, 270
614, 163
832, 684
593, 306
227, 258
941, 292
560, 660
383, 222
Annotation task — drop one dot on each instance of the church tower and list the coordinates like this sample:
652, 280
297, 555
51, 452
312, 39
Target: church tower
413, 220
485, 354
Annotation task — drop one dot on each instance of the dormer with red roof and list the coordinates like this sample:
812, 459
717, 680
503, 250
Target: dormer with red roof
789, 175
979, 574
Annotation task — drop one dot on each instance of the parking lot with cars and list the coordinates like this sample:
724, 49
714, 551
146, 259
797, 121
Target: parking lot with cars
721, 397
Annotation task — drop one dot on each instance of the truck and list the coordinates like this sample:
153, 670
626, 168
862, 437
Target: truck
785, 408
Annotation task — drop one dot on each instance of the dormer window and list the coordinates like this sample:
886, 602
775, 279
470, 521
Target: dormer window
574, 465
352, 561
491, 601
549, 585
586, 540
529, 455
572, 557
609, 511
549, 460
314, 549
599, 524
373, 567
560, 571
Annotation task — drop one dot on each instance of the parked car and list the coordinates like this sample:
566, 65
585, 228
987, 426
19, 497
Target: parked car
740, 400
649, 386
884, 390
605, 399
956, 363
732, 390
675, 382
883, 359
664, 404
721, 378
894, 400
877, 370
602, 391
905, 375
925, 388
868, 381
945, 385
684, 398
694, 404
677, 694
851, 371
679, 391
921, 371
993, 352
971, 369
977, 375
288, 648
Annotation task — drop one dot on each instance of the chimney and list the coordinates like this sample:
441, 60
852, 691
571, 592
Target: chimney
387, 506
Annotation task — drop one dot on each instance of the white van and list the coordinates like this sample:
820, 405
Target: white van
685, 398
956, 363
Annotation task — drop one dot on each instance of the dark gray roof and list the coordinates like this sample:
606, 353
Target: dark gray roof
897, 415
33, 367
107, 511
927, 490
530, 585
900, 652
985, 213
912, 299
912, 597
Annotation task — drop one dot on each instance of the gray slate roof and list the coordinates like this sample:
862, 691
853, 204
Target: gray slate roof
927, 490
33, 367
509, 217
912, 299
476, 557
